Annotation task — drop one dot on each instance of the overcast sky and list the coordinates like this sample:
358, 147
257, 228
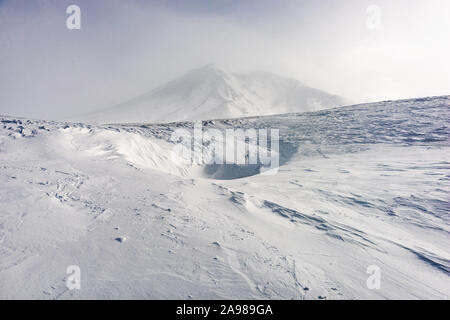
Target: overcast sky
125, 48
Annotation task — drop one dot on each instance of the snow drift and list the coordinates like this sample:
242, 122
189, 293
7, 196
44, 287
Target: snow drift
357, 187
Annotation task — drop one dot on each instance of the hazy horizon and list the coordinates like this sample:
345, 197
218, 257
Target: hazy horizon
125, 49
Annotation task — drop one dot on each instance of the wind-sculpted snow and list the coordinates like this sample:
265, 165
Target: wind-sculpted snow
357, 186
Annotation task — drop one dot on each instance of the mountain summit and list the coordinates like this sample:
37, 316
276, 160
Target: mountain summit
212, 93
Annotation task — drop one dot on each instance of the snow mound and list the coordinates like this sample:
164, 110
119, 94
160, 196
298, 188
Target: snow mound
138, 151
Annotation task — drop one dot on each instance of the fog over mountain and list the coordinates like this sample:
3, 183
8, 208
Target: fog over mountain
210, 92
125, 48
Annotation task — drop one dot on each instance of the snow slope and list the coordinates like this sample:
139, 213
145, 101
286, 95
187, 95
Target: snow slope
357, 186
211, 93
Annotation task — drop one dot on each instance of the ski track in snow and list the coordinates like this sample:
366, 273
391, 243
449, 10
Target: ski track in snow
357, 186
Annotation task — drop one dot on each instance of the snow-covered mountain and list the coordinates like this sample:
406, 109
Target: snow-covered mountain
358, 188
212, 93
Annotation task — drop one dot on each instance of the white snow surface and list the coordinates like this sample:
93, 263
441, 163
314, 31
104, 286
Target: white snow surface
357, 186
212, 93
